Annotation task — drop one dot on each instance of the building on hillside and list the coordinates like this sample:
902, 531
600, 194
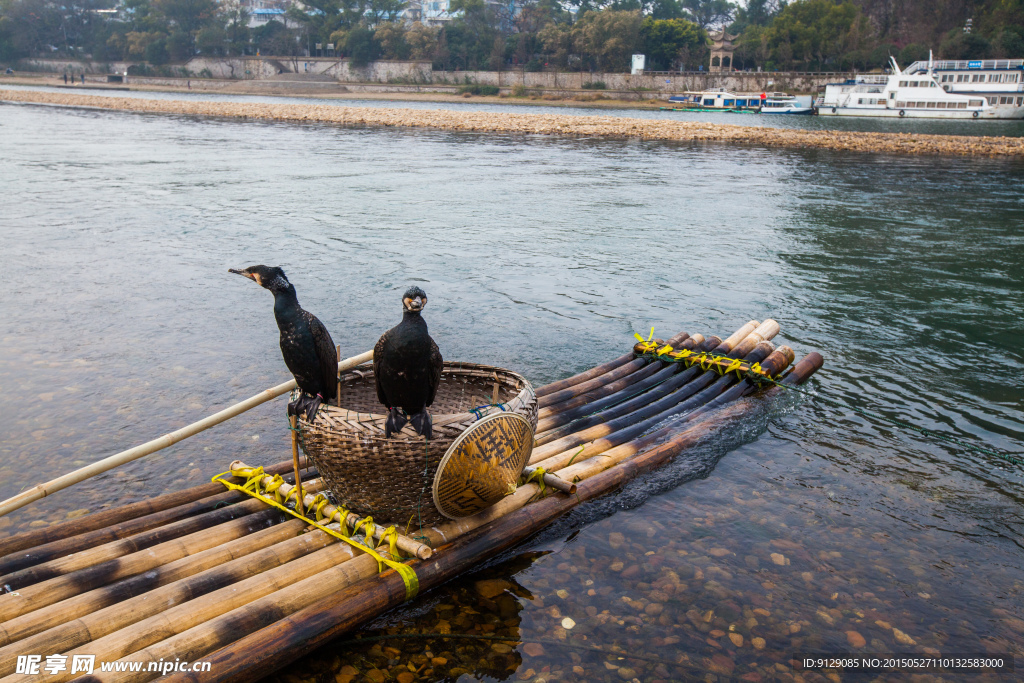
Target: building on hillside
438, 12
721, 51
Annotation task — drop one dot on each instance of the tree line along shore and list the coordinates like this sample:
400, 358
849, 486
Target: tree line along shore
534, 35
547, 124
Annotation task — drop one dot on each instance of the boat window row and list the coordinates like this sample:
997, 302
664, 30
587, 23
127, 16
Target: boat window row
938, 105
864, 100
1009, 100
918, 84
734, 103
980, 78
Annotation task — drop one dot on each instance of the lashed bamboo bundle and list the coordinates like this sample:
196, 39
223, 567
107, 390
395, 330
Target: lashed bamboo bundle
214, 575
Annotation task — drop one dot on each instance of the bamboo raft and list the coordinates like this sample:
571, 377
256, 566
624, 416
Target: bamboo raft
208, 575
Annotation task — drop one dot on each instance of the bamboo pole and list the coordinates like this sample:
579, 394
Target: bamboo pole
41, 490
69, 623
660, 384
299, 499
552, 480
596, 383
133, 544
292, 636
596, 371
129, 519
626, 432
585, 395
560, 415
583, 376
188, 632
684, 378
61, 587
120, 631
332, 513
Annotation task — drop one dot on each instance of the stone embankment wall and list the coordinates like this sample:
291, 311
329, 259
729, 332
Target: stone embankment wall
419, 73
546, 124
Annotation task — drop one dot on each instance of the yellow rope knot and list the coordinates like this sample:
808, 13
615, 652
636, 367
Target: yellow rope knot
537, 475
251, 487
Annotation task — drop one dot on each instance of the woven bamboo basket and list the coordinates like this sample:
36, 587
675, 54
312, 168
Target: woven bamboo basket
391, 479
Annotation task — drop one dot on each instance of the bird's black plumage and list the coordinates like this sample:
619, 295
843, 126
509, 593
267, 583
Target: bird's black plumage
407, 367
306, 345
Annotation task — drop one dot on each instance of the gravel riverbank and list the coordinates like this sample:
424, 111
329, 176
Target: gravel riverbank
553, 124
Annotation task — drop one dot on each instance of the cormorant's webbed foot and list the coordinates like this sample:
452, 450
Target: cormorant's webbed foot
312, 406
308, 405
422, 423
396, 420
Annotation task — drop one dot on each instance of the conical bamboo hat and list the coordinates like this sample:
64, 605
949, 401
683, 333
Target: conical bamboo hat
483, 465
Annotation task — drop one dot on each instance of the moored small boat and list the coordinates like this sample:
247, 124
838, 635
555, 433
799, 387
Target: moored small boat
714, 101
782, 103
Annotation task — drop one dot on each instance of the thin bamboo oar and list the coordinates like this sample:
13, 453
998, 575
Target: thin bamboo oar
126, 520
291, 636
41, 490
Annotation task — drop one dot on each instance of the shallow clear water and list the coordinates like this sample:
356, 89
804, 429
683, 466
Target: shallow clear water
1009, 128
119, 322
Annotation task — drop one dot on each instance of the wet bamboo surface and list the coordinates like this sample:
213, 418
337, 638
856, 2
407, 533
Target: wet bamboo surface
217, 576
548, 124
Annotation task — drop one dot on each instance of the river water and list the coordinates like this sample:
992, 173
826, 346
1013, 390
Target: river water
818, 531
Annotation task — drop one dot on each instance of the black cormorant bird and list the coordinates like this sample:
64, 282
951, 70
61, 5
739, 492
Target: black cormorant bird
407, 367
306, 345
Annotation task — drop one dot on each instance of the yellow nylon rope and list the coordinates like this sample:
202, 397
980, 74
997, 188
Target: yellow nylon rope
252, 488
723, 365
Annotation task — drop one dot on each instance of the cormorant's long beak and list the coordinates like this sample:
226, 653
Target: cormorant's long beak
416, 304
243, 274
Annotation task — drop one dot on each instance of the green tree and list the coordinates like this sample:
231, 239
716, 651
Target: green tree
672, 44
708, 13
360, 46
188, 17
813, 33
606, 40
422, 41
390, 36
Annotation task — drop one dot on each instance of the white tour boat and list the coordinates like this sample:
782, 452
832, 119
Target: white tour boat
898, 95
781, 103
714, 100
1000, 81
